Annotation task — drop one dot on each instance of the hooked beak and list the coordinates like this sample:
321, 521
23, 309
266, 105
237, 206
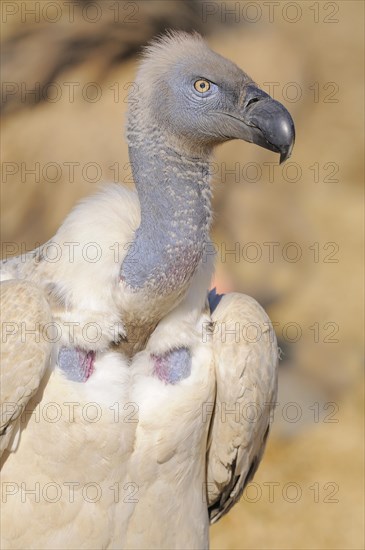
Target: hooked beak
266, 122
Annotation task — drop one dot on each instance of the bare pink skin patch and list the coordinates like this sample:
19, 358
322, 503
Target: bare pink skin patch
172, 366
77, 364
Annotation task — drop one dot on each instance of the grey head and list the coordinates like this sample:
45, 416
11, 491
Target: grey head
201, 99
186, 99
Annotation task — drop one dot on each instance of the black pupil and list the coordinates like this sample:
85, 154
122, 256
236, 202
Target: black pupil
202, 85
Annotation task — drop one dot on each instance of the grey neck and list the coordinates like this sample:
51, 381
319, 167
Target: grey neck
175, 200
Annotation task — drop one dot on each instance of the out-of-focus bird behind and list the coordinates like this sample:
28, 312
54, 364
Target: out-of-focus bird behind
288, 235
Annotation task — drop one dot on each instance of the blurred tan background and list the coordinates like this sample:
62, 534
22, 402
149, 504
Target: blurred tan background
295, 230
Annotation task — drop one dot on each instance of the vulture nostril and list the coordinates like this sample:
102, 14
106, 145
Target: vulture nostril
253, 100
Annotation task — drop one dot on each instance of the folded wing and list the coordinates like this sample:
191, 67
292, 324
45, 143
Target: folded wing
246, 357
25, 352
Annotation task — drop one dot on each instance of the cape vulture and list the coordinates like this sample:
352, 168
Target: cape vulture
135, 405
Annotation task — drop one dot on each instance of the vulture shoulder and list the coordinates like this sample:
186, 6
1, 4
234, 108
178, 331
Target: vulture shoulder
246, 357
25, 352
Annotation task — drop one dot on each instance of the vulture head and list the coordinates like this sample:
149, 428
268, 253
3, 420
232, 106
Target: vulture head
198, 96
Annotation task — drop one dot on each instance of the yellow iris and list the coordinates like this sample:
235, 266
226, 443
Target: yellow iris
202, 85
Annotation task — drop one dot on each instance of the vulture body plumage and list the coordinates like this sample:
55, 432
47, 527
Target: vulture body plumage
135, 407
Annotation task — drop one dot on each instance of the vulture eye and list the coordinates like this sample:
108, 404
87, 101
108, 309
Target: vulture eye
202, 85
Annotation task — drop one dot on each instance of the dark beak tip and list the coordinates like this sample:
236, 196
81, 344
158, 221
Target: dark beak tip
285, 154
288, 137
283, 157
